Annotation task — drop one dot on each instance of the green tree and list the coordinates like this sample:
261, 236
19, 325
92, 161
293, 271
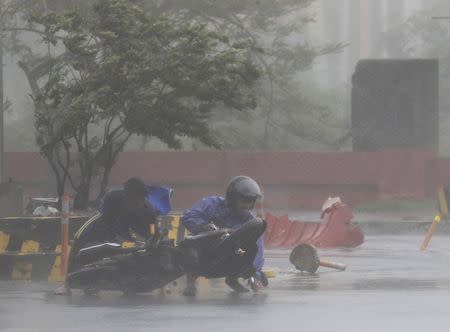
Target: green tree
122, 72
271, 34
20, 41
275, 38
275, 31
14, 16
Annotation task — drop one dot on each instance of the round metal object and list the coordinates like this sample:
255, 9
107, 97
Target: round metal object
305, 258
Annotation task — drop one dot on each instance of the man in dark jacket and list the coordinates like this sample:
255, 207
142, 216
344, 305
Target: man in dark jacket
133, 208
120, 212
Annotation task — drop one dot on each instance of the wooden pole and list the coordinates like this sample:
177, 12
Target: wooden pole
431, 230
65, 234
333, 265
2, 135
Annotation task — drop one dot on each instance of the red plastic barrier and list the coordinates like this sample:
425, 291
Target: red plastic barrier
309, 232
271, 222
279, 232
335, 230
295, 234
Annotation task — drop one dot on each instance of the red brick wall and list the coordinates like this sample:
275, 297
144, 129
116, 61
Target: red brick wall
289, 179
30, 169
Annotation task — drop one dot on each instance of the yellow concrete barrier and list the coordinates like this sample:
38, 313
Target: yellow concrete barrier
22, 269
4, 240
39, 261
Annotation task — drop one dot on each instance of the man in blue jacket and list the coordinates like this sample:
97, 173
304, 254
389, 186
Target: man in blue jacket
231, 212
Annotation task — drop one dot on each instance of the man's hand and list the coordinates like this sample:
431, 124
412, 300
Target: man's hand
209, 227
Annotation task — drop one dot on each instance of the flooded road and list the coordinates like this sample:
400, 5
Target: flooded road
389, 285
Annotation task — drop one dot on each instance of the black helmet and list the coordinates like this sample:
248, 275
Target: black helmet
135, 188
242, 186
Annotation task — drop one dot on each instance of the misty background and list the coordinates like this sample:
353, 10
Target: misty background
315, 113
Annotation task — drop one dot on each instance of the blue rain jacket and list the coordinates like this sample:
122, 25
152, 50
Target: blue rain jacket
216, 210
160, 198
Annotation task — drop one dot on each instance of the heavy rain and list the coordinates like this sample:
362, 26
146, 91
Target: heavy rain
224, 165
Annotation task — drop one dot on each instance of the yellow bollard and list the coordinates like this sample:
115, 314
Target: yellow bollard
56, 273
442, 201
431, 230
22, 270
173, 232
270, 273
4, 240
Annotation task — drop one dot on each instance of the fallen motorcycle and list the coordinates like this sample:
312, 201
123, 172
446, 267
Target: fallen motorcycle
213, 254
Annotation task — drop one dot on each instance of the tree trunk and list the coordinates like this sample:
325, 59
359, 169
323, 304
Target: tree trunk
60, 180
81, 200
109, 164
60, 190
105, 181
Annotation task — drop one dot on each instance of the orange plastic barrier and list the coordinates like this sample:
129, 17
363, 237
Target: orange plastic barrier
334, 230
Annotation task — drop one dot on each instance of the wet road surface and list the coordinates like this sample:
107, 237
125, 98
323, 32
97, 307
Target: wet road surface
389, 285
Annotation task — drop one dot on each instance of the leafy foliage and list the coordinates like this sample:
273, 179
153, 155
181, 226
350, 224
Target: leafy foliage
118, 71
128, 73
275, 31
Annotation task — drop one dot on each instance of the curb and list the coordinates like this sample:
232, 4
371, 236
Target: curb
374, 223
402, 227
